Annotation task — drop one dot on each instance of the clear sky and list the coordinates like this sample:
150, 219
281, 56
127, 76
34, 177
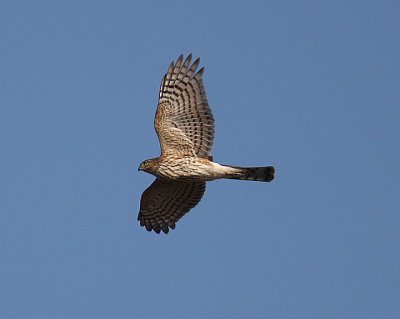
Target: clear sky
311, 87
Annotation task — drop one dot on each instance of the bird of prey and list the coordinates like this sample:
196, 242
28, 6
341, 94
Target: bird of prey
184, 124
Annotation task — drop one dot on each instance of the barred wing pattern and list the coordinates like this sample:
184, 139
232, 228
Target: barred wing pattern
165, 202
184, 122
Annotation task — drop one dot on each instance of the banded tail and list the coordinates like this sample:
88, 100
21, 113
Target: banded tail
260, 174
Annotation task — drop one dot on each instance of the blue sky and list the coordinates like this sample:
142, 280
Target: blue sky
309, 87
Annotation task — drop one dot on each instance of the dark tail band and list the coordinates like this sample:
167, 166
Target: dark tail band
261, 174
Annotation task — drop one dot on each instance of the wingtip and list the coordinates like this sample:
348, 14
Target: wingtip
179, 61
199, 73
170, 68
156, 228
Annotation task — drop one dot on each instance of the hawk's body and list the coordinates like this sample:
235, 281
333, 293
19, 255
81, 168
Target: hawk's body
185, 127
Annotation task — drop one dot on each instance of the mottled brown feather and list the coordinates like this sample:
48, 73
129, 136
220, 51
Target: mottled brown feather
164, 202
184, 122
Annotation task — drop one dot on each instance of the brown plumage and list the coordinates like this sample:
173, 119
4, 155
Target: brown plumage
185, 127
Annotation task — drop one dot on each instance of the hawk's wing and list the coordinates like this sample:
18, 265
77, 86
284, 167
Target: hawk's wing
165, 202
184, 122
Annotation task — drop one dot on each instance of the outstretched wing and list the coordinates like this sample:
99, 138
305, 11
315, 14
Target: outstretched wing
184, 122
165, 202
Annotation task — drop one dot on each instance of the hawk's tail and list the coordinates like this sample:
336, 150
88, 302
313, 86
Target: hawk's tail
261, 174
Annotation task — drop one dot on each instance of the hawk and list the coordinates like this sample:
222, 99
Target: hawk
184, 124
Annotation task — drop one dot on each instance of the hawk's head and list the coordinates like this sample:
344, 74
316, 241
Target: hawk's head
148, 165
